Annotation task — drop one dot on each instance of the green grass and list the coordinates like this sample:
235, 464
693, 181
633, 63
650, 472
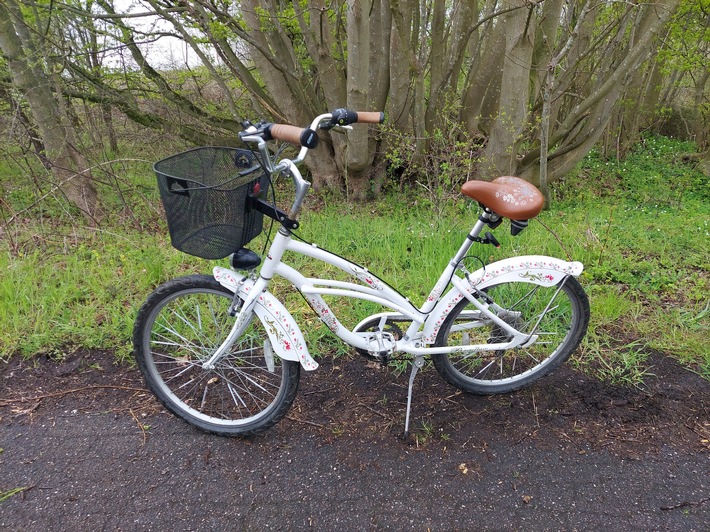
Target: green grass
644, 226
4, 495
639, 226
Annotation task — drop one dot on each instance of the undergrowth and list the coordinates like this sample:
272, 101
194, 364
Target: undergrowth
640, 227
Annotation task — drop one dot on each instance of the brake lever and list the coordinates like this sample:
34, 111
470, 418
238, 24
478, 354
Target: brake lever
341, 129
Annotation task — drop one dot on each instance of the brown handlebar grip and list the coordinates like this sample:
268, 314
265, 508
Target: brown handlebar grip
299, 136
370, 117
286, 133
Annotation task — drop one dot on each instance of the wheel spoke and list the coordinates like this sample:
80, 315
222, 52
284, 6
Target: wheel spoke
557, 316
235, 396
178, 330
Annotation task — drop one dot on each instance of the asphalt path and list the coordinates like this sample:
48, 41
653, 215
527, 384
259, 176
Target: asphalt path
113, 460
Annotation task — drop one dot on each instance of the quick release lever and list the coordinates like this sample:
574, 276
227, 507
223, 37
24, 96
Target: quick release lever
488, 239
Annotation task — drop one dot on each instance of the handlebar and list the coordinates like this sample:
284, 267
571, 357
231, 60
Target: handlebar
305, 138
345, 117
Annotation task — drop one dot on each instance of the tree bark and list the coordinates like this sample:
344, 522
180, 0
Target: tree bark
701, 122
545, 43
499, 157
358, 156
547, 89
482, 86
68, 165
403, 66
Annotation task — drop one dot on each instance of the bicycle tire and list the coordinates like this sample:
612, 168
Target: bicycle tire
178, 327
561, 329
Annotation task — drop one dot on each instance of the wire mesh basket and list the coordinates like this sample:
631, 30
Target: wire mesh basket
205, 193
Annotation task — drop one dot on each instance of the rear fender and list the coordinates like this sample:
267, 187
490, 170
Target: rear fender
284, 333
534, 269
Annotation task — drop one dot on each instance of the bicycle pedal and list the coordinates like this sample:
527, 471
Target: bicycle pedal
380, 345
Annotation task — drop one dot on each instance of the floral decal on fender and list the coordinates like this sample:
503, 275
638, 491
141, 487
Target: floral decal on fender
504, 267
273, 331
281, 328
222, 274
543, 278
234, 281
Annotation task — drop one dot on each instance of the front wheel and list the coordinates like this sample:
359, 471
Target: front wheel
559, 315
181, 325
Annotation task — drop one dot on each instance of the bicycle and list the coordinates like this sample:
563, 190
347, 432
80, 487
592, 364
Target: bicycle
224, 354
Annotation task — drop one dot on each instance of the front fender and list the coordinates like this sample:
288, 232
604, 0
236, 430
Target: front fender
284, 333
535, 269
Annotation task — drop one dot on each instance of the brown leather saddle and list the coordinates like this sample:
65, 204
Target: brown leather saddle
507, 196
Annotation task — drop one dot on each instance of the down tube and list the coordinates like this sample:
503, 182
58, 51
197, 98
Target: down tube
385, 294
389, 298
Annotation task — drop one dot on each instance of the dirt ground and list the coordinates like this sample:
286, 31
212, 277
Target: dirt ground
84, 447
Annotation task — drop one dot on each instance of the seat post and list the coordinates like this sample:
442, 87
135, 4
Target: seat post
486, 218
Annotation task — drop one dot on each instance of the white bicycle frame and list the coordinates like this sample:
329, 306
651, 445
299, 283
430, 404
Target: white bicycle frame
286, 339
285, 333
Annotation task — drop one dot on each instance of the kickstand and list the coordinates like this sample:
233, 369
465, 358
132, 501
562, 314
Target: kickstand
416, 364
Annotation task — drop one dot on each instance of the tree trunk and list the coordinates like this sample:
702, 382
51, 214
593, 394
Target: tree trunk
500, 154
545, 42
547, 90
438, 58
701, 122
68, 164
358, 156
403, 66
705, 163
482, 86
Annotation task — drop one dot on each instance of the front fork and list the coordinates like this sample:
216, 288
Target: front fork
246, 313
244, 317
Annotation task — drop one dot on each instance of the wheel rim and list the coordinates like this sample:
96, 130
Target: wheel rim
522, 305
184, 332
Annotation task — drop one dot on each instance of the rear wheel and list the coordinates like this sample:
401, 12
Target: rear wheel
180, 326
559, 315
